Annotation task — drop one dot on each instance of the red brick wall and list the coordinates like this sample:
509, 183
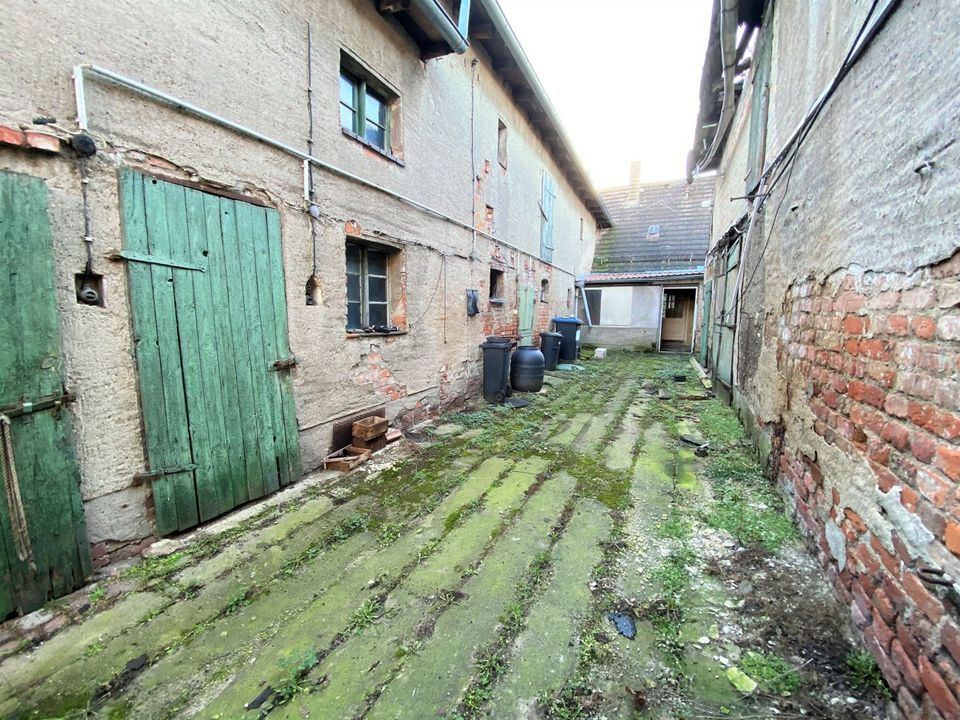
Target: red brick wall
877, 359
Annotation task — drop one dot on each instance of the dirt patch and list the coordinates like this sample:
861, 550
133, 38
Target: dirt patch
788, 610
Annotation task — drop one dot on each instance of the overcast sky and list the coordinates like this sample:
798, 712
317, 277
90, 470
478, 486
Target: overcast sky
624, 76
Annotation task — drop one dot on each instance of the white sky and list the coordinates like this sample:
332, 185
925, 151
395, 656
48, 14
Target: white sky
624, 76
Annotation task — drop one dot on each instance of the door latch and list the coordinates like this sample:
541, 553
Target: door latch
25, 407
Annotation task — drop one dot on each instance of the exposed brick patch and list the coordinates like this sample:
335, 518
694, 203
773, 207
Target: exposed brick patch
937, 689
29, 140
877, 360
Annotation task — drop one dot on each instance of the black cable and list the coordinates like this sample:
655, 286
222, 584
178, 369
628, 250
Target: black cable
788, 163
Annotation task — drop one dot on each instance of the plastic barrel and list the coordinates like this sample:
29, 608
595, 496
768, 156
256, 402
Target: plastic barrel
526, 369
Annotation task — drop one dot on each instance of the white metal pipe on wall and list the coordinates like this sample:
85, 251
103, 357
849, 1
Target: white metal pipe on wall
83, 121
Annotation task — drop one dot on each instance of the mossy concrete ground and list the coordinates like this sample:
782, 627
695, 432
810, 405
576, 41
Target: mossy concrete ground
471, 578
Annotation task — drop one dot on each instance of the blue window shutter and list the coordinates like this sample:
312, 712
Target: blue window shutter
548, 194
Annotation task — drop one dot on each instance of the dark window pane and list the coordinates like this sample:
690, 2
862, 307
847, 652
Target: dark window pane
353, 288
376, 136
353, 258
353, 316
376, 262
376, 109
378, 314
377, 289
348, 94
348, 119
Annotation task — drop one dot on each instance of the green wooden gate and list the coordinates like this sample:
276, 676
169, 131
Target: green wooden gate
705, 320
210, 320
43, 544
527, 302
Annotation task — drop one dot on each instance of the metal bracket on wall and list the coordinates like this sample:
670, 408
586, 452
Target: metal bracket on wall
285, 363
132, 256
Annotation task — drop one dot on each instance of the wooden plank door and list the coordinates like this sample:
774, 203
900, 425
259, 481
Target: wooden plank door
43, 544
210, 320
527, 301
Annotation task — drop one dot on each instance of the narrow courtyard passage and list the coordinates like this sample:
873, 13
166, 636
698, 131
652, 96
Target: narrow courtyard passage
491, 567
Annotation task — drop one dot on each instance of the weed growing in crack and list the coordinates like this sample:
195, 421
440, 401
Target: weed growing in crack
674, 527
454, 518
94, 649
772, 672
491, 662
573, 702
745, 503
239, 600
341, 532
863, 672
296, 668
389, 533
98, 593
156, 568
363, 616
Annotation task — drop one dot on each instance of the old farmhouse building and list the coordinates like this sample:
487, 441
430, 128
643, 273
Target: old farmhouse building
228, 235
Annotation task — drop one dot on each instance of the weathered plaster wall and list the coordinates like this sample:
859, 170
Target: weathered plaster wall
247, 60
847, 354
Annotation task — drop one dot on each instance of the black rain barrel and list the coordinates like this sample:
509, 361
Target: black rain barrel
496, 368
569, 327
526, 369
550, 347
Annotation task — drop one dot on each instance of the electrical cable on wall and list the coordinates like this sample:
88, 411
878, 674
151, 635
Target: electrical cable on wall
788, 162
313, 213
441, 275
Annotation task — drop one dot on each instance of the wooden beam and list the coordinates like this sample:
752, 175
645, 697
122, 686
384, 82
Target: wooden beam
435, 50
482, 31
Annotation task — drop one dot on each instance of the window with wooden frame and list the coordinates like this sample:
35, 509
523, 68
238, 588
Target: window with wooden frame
502, 143
672, 309
364, 111
496, 286
367, 286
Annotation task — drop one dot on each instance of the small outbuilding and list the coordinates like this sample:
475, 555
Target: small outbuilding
645, 288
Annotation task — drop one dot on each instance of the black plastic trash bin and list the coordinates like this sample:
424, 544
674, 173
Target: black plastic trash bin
496, 368
550, 347
569, 328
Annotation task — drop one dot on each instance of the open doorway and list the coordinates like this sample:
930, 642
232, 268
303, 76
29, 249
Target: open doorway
678, 315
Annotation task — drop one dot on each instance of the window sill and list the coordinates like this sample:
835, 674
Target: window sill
350, 335
498, 301
366, 143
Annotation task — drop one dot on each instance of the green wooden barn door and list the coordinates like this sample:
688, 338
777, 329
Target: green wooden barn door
43, 544
210, 320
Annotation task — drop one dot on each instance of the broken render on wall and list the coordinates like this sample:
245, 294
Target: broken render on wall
267, 226
834, 324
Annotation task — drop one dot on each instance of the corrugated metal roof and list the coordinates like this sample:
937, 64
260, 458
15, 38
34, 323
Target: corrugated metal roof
683, 213
599, 277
